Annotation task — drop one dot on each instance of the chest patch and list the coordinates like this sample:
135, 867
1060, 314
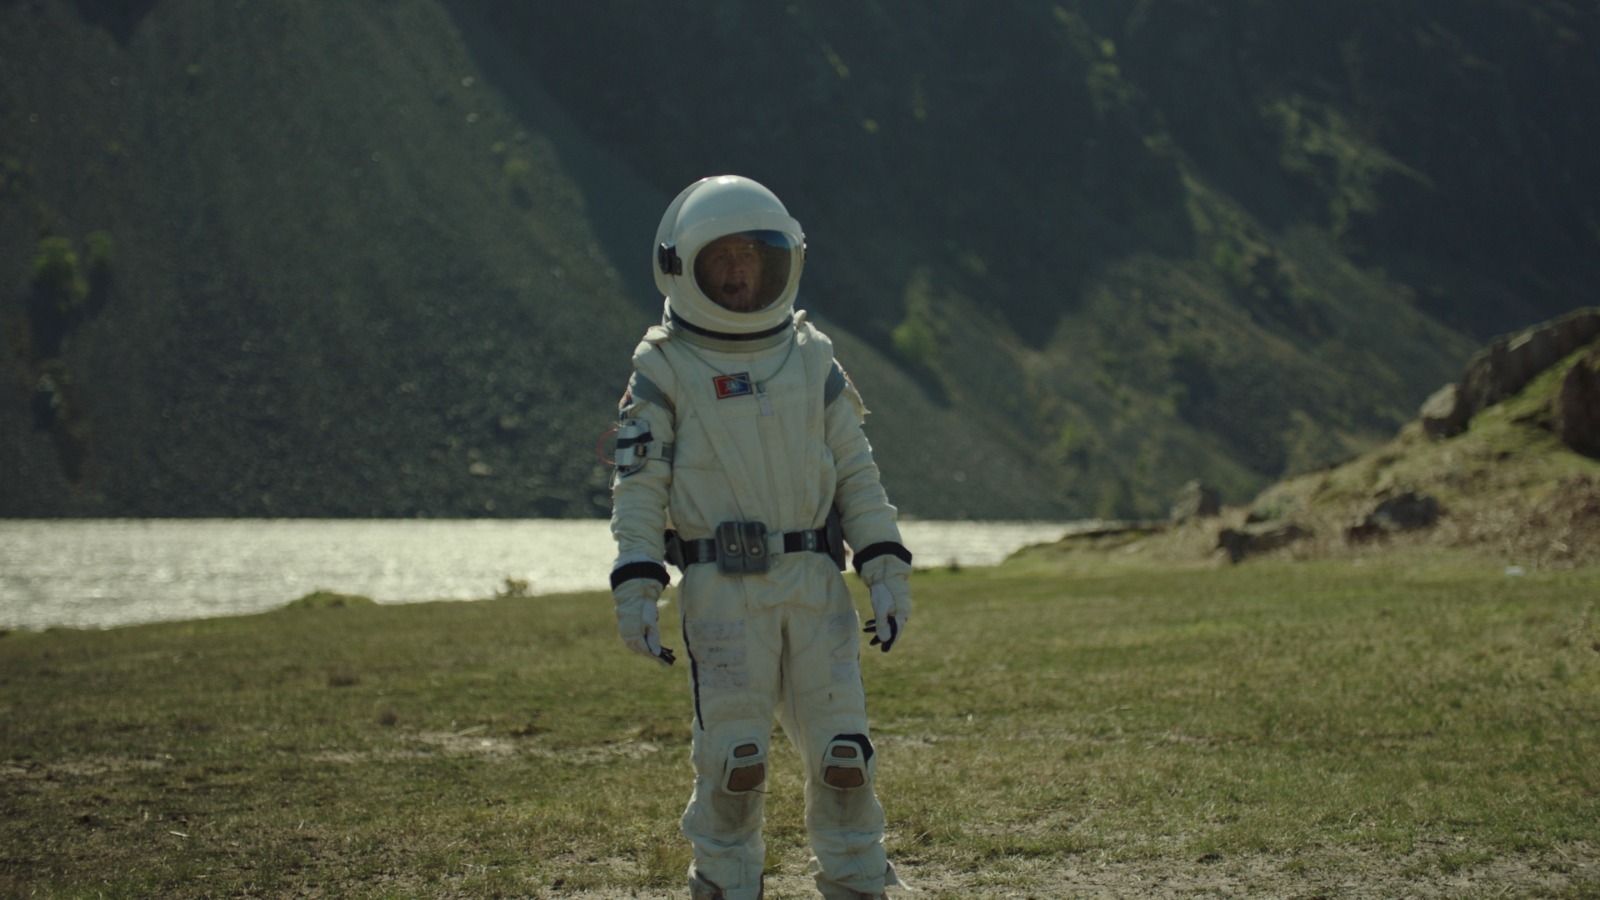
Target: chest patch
735, 385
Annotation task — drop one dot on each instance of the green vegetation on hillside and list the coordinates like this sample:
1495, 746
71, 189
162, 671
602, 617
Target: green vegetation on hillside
389, 260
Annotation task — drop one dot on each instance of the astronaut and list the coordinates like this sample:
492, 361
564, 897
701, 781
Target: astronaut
741, 460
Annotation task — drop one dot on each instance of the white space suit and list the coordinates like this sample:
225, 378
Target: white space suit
740, 432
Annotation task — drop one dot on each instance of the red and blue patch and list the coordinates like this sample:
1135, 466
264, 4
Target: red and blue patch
735, 385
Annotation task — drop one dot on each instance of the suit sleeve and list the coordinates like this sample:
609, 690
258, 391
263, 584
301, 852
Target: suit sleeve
869, 519
639, 498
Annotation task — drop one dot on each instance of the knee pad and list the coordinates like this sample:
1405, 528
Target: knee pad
845, 762
746, 767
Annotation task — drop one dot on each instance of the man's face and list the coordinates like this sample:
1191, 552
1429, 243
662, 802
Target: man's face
729, 271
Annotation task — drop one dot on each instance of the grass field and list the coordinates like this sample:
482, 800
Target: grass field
1421, 725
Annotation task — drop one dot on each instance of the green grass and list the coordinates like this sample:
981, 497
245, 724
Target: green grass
1260, 729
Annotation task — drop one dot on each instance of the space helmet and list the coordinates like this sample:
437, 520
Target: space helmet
728, 258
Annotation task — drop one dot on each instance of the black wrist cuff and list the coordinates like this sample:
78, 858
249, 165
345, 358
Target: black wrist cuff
634, 570
883, 548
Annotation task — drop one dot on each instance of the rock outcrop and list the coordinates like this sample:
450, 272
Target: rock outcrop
1505, 367
1259, 537
1408, 511
1575, 408
1195, 501
1444, 414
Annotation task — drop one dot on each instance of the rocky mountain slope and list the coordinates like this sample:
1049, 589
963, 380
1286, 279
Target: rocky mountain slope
1503, 462
388, 259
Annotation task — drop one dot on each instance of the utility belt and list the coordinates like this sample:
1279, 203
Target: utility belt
747, 548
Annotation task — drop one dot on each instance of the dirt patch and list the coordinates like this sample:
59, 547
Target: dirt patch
1561, 530
77, 768
479, 744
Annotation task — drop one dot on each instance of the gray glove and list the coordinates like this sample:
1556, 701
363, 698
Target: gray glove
890, 607
637, 617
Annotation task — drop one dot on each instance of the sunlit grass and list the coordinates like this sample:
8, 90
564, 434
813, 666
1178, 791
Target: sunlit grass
1387, 719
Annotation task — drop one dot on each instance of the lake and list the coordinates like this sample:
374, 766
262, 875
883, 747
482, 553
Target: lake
102, 573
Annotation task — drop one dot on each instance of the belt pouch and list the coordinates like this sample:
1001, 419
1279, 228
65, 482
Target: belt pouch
741, 548
833, 535
672, 544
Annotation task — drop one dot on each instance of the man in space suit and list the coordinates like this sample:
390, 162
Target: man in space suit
741, 434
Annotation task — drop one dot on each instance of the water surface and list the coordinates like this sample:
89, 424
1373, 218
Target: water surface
99, 573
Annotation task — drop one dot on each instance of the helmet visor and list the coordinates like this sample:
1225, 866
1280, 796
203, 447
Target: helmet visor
746, 271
